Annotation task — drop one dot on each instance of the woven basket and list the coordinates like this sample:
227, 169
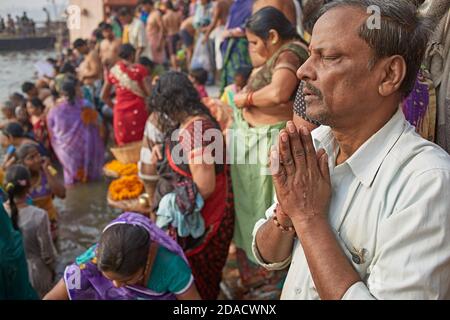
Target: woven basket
129, 153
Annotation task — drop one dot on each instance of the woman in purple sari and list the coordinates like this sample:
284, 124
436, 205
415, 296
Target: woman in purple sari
134, 260
74, 131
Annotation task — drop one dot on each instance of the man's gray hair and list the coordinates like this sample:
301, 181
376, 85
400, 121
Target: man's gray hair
402, 32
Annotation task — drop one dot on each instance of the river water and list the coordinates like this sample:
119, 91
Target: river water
18, 67
84, 213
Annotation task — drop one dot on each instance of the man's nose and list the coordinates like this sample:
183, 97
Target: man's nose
306, 71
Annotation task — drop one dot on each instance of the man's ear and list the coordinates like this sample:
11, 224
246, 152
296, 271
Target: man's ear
394, 73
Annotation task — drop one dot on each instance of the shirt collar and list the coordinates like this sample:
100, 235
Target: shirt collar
367, 160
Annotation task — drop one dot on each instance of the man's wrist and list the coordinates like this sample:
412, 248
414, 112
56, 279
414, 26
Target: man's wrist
308, 223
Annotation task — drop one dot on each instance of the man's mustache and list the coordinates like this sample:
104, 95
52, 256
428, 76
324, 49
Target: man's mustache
313, 89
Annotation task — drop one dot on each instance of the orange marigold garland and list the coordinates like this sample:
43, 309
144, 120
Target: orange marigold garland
126, 188
121, 169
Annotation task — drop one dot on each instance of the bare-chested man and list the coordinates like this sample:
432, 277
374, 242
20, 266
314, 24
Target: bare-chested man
109, 47
217, 27
155, 32
90, 69
172, 22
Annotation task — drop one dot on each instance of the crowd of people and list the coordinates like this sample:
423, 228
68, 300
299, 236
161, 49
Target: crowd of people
349, 199
23, 26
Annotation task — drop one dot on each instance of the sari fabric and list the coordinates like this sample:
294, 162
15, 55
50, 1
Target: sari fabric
130, 112
235, 50
207, 255
252, 183
41, 133
86, 282
420, 107
42, 196
75, 136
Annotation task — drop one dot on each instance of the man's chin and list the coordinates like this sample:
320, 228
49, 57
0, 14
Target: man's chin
317, 113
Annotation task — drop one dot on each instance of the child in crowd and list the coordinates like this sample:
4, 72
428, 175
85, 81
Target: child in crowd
44, 183
199, 77
240, 81
34, 225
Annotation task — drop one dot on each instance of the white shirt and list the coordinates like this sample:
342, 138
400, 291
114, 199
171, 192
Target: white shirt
138, 37
391, 203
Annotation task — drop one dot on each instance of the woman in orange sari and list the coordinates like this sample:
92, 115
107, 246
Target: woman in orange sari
131, 87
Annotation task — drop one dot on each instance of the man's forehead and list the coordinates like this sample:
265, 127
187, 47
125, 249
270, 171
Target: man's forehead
337, 28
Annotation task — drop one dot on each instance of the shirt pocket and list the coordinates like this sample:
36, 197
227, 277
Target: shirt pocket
359, 253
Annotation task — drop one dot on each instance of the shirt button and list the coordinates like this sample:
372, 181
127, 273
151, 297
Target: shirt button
133, 133
134, 123
356, 259
136, 112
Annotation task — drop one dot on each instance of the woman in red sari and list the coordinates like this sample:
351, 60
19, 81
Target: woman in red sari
131, 88
193, 197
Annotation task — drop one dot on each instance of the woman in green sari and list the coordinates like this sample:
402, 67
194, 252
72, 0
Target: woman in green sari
14, 282
261, 111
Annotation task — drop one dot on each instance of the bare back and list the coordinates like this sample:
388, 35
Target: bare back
172, 22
